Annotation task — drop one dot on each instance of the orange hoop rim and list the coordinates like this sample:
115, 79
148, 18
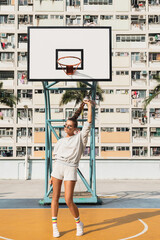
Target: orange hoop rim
62, 64
69, 65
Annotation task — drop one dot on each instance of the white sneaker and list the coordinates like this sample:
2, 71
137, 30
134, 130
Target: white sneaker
80, 229
56, 232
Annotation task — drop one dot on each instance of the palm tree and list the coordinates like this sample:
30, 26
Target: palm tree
79, 95
6, 97
155, 93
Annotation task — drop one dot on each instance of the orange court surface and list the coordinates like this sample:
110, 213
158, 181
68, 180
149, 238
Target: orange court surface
102, 224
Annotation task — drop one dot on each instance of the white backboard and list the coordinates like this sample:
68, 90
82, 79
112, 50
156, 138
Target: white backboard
91, 44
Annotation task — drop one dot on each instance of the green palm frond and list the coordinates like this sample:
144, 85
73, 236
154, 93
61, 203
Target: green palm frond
1, 85
8, 100
79, 95
156, 92
156, 78
6, 97
99, 93
69, 96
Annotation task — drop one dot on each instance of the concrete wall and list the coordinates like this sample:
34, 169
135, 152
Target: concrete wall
105, 169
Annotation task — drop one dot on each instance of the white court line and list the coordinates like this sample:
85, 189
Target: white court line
144, 230
5, 238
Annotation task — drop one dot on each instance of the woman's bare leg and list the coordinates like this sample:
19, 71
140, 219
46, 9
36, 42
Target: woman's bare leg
56, 195
69, 189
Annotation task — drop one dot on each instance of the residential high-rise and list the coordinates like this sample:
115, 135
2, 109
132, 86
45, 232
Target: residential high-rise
123, 129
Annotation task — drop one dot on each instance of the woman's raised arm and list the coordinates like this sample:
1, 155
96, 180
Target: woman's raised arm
89, 103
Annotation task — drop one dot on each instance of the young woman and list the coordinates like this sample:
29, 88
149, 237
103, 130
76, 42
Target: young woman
67, 152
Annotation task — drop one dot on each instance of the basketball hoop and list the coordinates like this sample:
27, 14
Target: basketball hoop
69, 68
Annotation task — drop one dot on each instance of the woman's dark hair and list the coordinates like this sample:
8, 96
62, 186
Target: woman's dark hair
76, 115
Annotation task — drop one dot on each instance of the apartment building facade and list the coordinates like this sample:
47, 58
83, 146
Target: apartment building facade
124, 131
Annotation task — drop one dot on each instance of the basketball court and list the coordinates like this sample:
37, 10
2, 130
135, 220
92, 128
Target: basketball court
112, 224
122, 214
75, 54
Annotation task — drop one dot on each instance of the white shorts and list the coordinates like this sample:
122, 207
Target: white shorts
62, 171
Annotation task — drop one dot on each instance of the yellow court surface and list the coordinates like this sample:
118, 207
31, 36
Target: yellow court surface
99, 224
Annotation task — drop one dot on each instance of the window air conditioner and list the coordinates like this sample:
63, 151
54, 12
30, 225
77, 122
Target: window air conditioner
87, 17
10, 16
141, 17
142, 56
30, 2
151, 39
19, 148
153, 129
3, 34
24, 91
73, 17
19, 134
85, 114
153, 72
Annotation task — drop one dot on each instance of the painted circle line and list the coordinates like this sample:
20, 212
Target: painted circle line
5, 238
137, 235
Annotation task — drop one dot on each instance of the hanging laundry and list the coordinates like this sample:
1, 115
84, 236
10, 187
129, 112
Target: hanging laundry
156, 37
135, 93
22, 81
3, 45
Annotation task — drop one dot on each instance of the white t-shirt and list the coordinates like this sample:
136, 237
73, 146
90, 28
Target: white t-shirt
68, 150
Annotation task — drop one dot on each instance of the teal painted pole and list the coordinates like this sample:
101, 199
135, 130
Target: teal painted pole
50, 135
48, 143
46, 140
51, 84
93, 141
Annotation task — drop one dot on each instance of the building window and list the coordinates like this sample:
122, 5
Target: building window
38, 91
155, 151
108, 91
122, 110
139, 151
122, 72
106, 17
130, 38
122, 91
108, 110
121, 54
122, 129
122, 148
122, 17
6, 151
107, 129
98, 2
86, 152
107, 148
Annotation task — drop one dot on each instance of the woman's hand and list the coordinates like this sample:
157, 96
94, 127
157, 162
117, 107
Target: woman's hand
89, 102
